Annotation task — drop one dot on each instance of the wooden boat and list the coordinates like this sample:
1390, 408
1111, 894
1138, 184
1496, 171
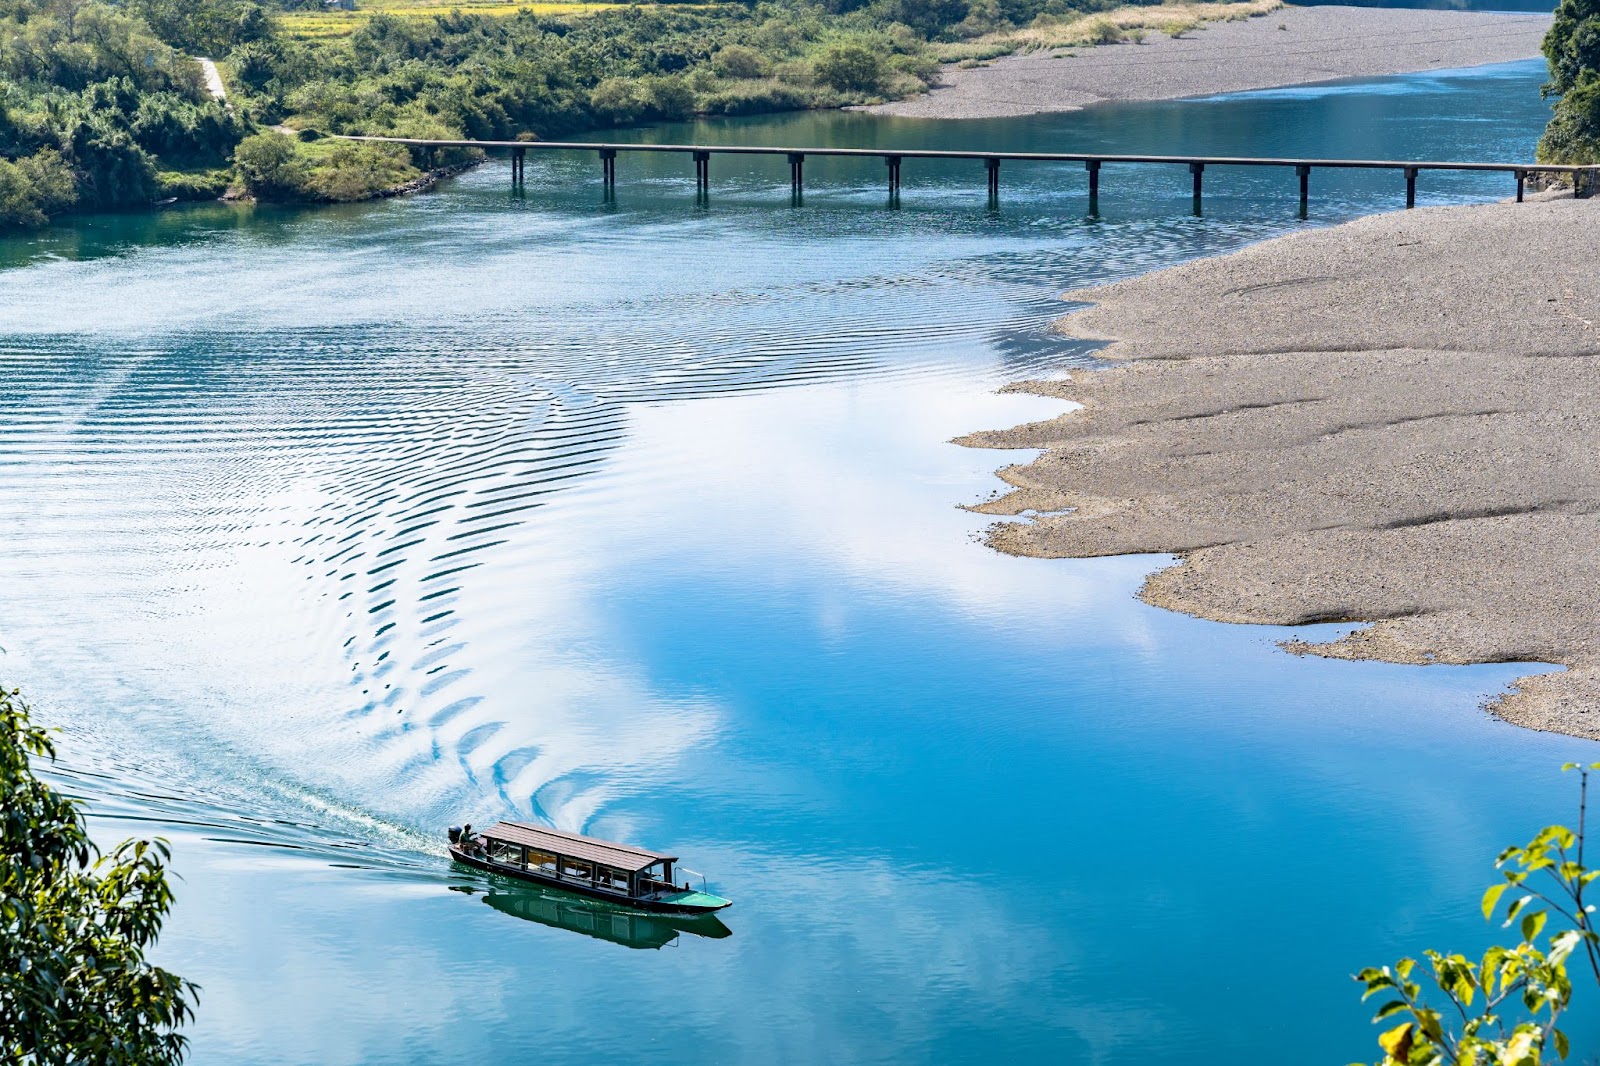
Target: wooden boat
600, 869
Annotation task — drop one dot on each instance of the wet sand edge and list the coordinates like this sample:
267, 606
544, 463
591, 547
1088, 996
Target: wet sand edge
1388, 422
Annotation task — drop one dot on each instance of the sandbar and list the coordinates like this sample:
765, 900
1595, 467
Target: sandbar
1389, 421
1288, 46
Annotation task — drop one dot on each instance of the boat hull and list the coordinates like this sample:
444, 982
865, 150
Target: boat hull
654, 906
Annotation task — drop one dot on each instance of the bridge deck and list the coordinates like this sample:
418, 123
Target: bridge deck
1038, 157
1585, 179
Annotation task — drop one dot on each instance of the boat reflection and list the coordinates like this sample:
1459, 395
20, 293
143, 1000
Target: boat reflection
562, 910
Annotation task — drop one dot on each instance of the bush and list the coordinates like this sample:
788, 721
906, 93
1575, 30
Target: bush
344, 171
274, 167
34, 188
737, 61
849, 68
670, 98
754, 98
1104, 31
617, 101
269, 167
189, 185
112, 170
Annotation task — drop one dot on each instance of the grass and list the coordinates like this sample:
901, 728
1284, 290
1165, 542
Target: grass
1123, 24
323, 24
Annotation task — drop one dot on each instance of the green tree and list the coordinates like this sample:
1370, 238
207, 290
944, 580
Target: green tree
1572, 48
1505, 1008
74, 983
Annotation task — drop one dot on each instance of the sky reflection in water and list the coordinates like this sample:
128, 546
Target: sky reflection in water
334, 528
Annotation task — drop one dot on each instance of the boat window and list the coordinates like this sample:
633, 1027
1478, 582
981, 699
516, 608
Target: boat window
574, 868
616, 879
505, 854
541, 860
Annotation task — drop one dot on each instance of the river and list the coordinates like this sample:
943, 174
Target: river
327, 529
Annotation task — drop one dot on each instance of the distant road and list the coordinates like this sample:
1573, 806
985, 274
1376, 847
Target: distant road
1289, 46
213, 79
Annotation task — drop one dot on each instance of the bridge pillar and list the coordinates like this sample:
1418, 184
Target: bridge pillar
519, 158
608, 170
1411, 187
702, 173
1093, 167
1304, 173
893, 163
1197, 169
993, 166
1522, 178
797, 162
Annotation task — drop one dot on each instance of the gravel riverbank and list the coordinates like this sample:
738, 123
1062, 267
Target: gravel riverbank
1388, 421
1289, 46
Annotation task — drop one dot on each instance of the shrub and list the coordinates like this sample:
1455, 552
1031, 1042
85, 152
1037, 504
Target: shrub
737, 61
849, 68
269, 167
754, 97
112, 170
194, 184
617, 101
34, 188
1104, 31
344, 171
670, 98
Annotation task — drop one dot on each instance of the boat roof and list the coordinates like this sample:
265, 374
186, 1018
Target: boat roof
576, 846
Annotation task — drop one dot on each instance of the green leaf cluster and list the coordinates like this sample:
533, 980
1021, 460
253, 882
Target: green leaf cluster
75, 986
91, 104
1505, 1008
1572, 48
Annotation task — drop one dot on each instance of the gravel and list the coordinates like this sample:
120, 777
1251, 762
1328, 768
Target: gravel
1290, 46
1389, 421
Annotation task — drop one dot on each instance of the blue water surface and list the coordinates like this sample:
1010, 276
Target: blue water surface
328, 529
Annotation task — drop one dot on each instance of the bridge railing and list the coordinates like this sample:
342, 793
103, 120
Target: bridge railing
1585, 179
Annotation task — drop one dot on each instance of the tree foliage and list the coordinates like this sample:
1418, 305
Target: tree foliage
89, 93
1504, 1008
1572, 47
75, 986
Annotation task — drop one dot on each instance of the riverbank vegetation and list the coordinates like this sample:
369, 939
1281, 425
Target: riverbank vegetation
1572, 48
75, 986
102, 105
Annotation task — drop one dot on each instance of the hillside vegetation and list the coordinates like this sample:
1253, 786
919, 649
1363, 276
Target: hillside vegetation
102, 104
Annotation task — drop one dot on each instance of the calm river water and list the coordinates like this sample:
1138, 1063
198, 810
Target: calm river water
328, 529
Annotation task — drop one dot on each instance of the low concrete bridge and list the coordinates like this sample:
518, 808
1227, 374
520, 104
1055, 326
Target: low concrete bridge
1585, 179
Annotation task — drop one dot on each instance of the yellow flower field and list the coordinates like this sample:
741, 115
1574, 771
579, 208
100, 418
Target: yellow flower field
334, 23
